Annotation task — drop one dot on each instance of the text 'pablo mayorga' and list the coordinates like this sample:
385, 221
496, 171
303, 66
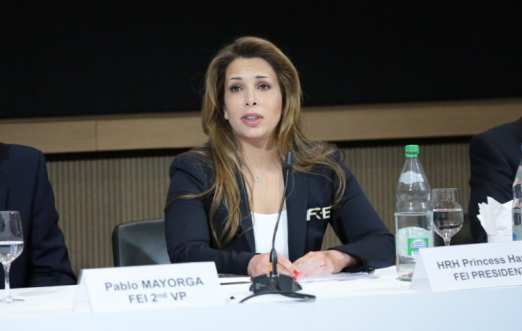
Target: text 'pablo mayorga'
178, 284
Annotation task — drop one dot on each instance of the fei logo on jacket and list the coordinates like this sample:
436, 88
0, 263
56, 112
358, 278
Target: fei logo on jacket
318, 213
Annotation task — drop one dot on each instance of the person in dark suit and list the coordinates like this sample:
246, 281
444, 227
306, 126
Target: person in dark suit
25, 187
224, 196
494, 159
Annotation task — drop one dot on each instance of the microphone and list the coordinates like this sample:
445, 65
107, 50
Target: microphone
274, 283
287, 167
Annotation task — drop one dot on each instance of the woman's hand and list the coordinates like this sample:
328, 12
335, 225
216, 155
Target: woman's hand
258, 265
332, 261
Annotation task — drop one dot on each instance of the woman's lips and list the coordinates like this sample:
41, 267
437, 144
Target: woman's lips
252, 119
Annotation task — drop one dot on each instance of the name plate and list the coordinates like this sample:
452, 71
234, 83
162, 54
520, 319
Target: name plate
469, 266
148, 287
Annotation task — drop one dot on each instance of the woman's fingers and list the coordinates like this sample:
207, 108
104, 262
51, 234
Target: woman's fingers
320, 259
303, 259
259, 265
332, 261
287, 267
340, 260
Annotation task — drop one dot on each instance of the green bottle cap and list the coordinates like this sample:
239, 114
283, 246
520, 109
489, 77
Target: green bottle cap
412, 150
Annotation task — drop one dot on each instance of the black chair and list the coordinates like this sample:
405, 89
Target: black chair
139, 243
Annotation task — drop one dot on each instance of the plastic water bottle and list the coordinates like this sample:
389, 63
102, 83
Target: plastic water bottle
517, 204
413, 214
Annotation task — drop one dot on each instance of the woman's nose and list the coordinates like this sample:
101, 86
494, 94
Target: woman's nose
251, 99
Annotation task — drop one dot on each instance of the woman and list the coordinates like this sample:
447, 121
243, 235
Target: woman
224, 196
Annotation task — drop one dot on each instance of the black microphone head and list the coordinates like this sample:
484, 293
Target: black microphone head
288, 161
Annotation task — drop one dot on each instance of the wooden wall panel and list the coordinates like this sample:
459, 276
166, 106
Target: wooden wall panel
173, 131
329, 123
51, 136
400, 121
96, 191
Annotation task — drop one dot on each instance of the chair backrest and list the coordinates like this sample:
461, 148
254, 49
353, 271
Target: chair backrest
140, 243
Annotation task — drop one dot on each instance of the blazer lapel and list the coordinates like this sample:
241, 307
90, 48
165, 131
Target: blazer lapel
246, 216
296, 206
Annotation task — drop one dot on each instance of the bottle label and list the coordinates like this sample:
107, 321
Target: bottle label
411, 177
414, 244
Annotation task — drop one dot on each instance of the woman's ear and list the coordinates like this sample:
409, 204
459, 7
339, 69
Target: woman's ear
225, 114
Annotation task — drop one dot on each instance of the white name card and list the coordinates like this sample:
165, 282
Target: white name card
148, 287
469, 266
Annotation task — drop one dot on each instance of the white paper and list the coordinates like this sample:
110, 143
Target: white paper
496, 219
340, 277
420, 277
235, 280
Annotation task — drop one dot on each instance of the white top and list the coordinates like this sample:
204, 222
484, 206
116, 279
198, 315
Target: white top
264, 226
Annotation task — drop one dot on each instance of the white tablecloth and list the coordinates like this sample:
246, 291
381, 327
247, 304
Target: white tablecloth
361, 304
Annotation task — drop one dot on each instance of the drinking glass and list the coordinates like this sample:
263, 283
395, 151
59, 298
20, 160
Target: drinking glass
447, 212
11, 246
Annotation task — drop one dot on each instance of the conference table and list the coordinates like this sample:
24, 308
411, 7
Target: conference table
364, 303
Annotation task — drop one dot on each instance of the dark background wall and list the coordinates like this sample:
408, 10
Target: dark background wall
109, 57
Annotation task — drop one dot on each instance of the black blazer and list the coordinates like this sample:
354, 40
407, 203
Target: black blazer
494, 158
25, 187
356, 223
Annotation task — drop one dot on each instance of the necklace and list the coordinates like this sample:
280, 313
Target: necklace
257, 178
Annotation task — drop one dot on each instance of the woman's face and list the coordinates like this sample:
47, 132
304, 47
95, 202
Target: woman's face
253, 100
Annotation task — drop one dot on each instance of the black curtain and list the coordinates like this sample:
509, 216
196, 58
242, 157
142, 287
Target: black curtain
66, 58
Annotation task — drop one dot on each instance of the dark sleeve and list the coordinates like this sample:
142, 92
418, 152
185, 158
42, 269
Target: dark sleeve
361, 230
187, 228
490, 176
48, 256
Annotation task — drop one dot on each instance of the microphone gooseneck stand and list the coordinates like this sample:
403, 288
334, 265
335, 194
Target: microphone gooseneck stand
273, 283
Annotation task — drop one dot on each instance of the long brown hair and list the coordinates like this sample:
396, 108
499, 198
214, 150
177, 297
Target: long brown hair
288, 136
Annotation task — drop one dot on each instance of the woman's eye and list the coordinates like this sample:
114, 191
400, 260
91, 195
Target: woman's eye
235, 88
264, 86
